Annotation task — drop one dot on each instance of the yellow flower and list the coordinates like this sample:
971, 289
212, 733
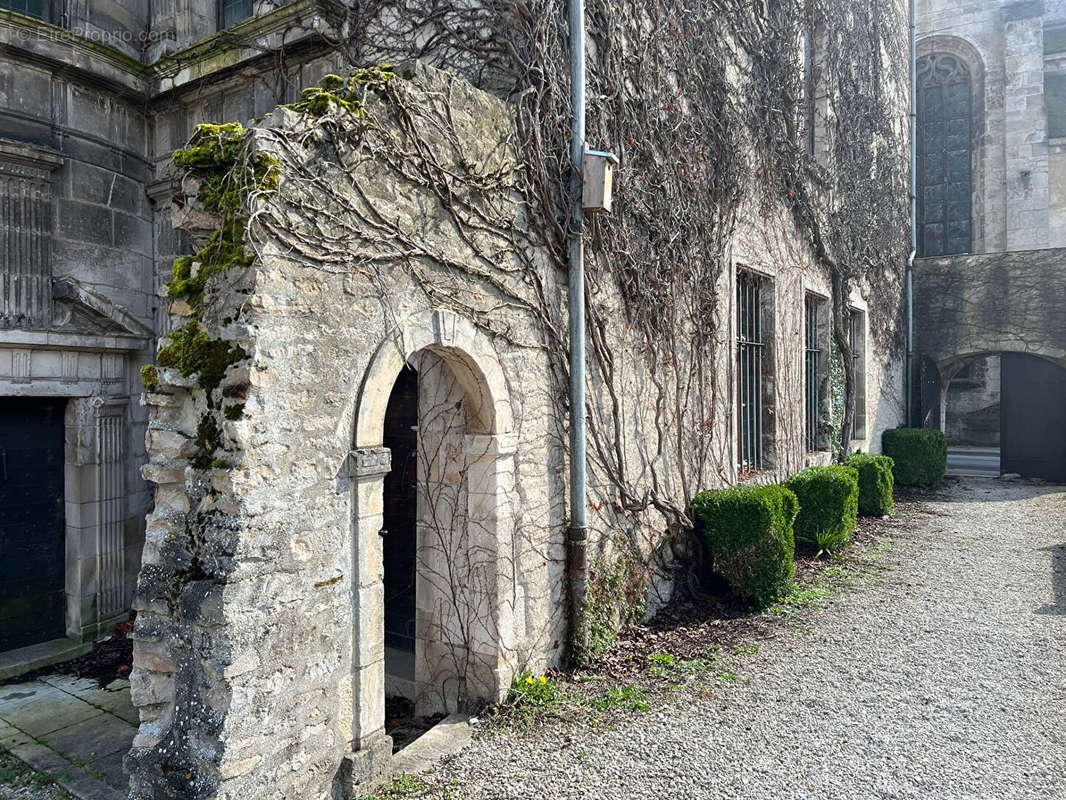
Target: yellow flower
529, 680
543, 679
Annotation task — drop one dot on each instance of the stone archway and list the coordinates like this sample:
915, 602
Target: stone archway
488, 445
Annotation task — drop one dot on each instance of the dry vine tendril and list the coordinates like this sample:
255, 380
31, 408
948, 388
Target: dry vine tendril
704, 102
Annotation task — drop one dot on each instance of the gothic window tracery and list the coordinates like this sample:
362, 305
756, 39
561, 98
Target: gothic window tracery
945, 155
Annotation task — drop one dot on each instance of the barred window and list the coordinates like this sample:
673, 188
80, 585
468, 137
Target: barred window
754, 372
857, 341
812, 371
233, 11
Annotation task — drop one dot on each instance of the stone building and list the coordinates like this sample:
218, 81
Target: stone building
992, 228
360, 489
95, 95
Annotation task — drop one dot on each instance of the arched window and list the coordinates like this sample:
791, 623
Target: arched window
945, 142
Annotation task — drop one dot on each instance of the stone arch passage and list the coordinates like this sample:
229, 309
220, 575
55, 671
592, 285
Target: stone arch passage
457, 349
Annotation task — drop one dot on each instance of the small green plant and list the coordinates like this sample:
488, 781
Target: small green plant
533, 691
828, 506
749, 534
803, 596
875, 483
628, 698
919, 455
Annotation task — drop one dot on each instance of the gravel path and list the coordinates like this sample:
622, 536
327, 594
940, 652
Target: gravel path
943, 677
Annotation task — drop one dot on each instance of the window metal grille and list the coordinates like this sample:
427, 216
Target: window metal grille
233, 11
813, 364
857, 342
31, 8
751, 349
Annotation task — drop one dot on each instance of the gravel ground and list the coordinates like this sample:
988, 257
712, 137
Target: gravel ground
19, 782
942, 676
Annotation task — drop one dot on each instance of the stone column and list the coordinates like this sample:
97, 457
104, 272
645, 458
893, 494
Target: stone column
95, 513
1026, 126
490, 482
371, 747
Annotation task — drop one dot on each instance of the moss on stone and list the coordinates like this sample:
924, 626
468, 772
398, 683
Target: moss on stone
150, 377
208, 440
615, 599
191, 351
346, 93
235, 411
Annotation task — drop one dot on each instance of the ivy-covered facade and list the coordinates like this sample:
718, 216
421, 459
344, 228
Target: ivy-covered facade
332, 212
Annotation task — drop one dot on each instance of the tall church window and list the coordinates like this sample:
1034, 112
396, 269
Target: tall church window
945, 155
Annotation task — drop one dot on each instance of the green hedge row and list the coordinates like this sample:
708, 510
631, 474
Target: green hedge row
920, 455
749, 534
828, 506
752, 531
875, 483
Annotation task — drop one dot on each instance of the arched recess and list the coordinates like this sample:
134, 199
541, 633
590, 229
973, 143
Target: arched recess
967, 59
489, 445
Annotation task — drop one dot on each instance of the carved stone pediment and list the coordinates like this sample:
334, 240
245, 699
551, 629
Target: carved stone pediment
82, 310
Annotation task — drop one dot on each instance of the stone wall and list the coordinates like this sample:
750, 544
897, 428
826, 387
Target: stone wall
1006, 302
77, 301
1017, 204
259, 654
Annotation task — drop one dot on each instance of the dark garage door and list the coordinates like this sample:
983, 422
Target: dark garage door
1033, 421
32, 545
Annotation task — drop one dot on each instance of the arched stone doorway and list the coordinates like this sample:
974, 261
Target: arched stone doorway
466, 590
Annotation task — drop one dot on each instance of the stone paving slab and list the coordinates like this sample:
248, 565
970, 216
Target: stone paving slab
72, 729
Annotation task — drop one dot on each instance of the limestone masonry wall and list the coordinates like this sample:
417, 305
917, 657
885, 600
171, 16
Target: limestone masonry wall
395, 235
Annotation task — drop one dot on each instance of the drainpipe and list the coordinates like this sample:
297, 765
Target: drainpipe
909, 378
577, 536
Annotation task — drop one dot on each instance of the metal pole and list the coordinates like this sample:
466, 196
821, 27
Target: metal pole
909, 377
578, 533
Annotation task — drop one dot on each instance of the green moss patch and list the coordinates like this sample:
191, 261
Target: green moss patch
191, 351
346, 93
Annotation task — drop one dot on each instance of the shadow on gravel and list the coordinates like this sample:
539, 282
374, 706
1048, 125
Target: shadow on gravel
1058, 580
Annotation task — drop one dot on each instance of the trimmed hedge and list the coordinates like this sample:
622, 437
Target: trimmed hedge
749, 534
875, 484
829, 505
920, 455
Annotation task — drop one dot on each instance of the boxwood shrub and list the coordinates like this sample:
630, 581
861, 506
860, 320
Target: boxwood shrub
829, 505
749, 534
875, 483
920, 455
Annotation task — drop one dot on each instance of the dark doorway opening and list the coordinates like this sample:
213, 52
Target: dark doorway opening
32, 525
399, 547
1033, 422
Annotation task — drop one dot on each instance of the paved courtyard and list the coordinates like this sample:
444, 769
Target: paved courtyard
943, 677
71, 729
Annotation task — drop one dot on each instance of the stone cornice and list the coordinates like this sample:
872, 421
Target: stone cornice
287, 26
28, 161
32, 40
